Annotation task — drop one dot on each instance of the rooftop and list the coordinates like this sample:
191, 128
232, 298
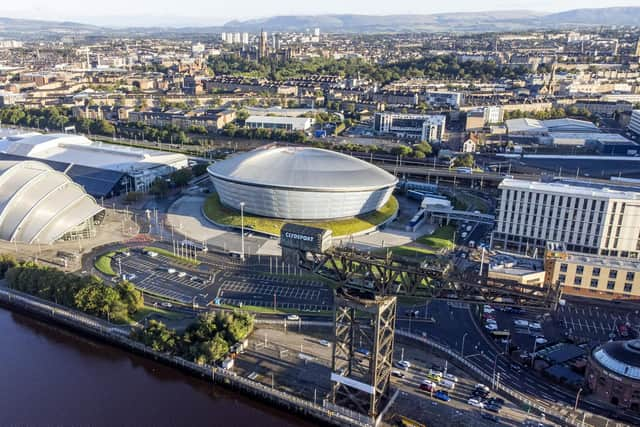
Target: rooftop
621, 357
76, 149
576, 188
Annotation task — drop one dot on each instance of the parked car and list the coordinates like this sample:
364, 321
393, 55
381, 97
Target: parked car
491, 327
535, 325
293, 317
496, 401
541, 341
516, 368
427, 385
490, 417
476, 403
166, 304
522, 323
442, 395
397, 373
488, 309
493, 407
403, 364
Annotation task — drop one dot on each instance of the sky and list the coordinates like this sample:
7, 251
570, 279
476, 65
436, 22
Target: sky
214, 12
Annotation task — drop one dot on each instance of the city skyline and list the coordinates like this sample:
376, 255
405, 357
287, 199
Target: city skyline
197, 13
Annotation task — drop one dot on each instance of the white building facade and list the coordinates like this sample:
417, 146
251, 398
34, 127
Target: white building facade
634, 124
587, 218
429, 128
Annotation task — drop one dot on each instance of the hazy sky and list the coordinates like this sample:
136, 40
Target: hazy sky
150, 12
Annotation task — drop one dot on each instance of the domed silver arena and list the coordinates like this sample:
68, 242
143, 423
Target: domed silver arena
301, 183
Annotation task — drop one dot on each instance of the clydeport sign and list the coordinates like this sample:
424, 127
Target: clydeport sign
307, 239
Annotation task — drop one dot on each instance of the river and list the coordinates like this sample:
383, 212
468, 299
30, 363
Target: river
50, 376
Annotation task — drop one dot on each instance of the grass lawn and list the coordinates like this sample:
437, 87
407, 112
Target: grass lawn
170, 254
103, 264
267, 310
442, 238
221, 214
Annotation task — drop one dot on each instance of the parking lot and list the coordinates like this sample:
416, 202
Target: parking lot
262, 290
225, 283
586, 323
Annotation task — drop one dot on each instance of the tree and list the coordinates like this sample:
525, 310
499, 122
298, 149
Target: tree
130, 296
6, 262
419, 155
464, 160
181, 177
423, 147
401, 150
157, 336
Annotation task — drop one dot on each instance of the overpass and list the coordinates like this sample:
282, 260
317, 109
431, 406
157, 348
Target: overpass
458, 215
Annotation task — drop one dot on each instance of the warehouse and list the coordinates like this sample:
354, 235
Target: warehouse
301, 183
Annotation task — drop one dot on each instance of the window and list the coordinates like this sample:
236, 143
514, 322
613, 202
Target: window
630, 276
611, 285
562, 278
613, 274
596, 271
628, 287
579, 269
577, 281
594, 283
563, 267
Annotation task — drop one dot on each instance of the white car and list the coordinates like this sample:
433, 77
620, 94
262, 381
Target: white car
535, 325
491, 321
403, 364
488, 309
324, 343
521, 323
171, 270
475, 403
451, 377
166, 304
491, 327
181, 274
541, 341
482, 387
293, 317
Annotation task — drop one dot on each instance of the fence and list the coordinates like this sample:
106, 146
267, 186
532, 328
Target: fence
331, 413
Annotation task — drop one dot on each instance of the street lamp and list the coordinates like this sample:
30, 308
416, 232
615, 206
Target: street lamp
575, 407
462, 346
242, 231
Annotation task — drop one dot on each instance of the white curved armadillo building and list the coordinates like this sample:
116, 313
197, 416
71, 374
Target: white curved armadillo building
41, 205
301, 183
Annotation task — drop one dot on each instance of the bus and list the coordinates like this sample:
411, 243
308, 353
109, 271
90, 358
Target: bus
194, 245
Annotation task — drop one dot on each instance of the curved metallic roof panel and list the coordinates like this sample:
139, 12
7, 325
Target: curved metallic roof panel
302, 168
39, 204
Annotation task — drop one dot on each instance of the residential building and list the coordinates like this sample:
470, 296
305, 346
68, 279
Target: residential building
592, 276
10, 98
589, 218
604, 108
273, 122
262, 48
634, 124
443, 99
424, 127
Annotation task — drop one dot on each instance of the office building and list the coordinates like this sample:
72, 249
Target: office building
275, 122
422, 127
634, 123
262, 48
593, 276
589, 218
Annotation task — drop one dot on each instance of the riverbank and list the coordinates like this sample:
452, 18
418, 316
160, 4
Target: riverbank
96, 328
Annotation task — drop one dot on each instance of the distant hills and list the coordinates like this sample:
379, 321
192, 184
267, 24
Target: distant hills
459, 22
513, 20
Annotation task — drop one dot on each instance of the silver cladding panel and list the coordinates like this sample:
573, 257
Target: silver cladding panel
299, 204
302, 168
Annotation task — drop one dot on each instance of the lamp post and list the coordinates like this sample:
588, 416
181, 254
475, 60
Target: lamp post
242, 231
462, 346
575, 407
